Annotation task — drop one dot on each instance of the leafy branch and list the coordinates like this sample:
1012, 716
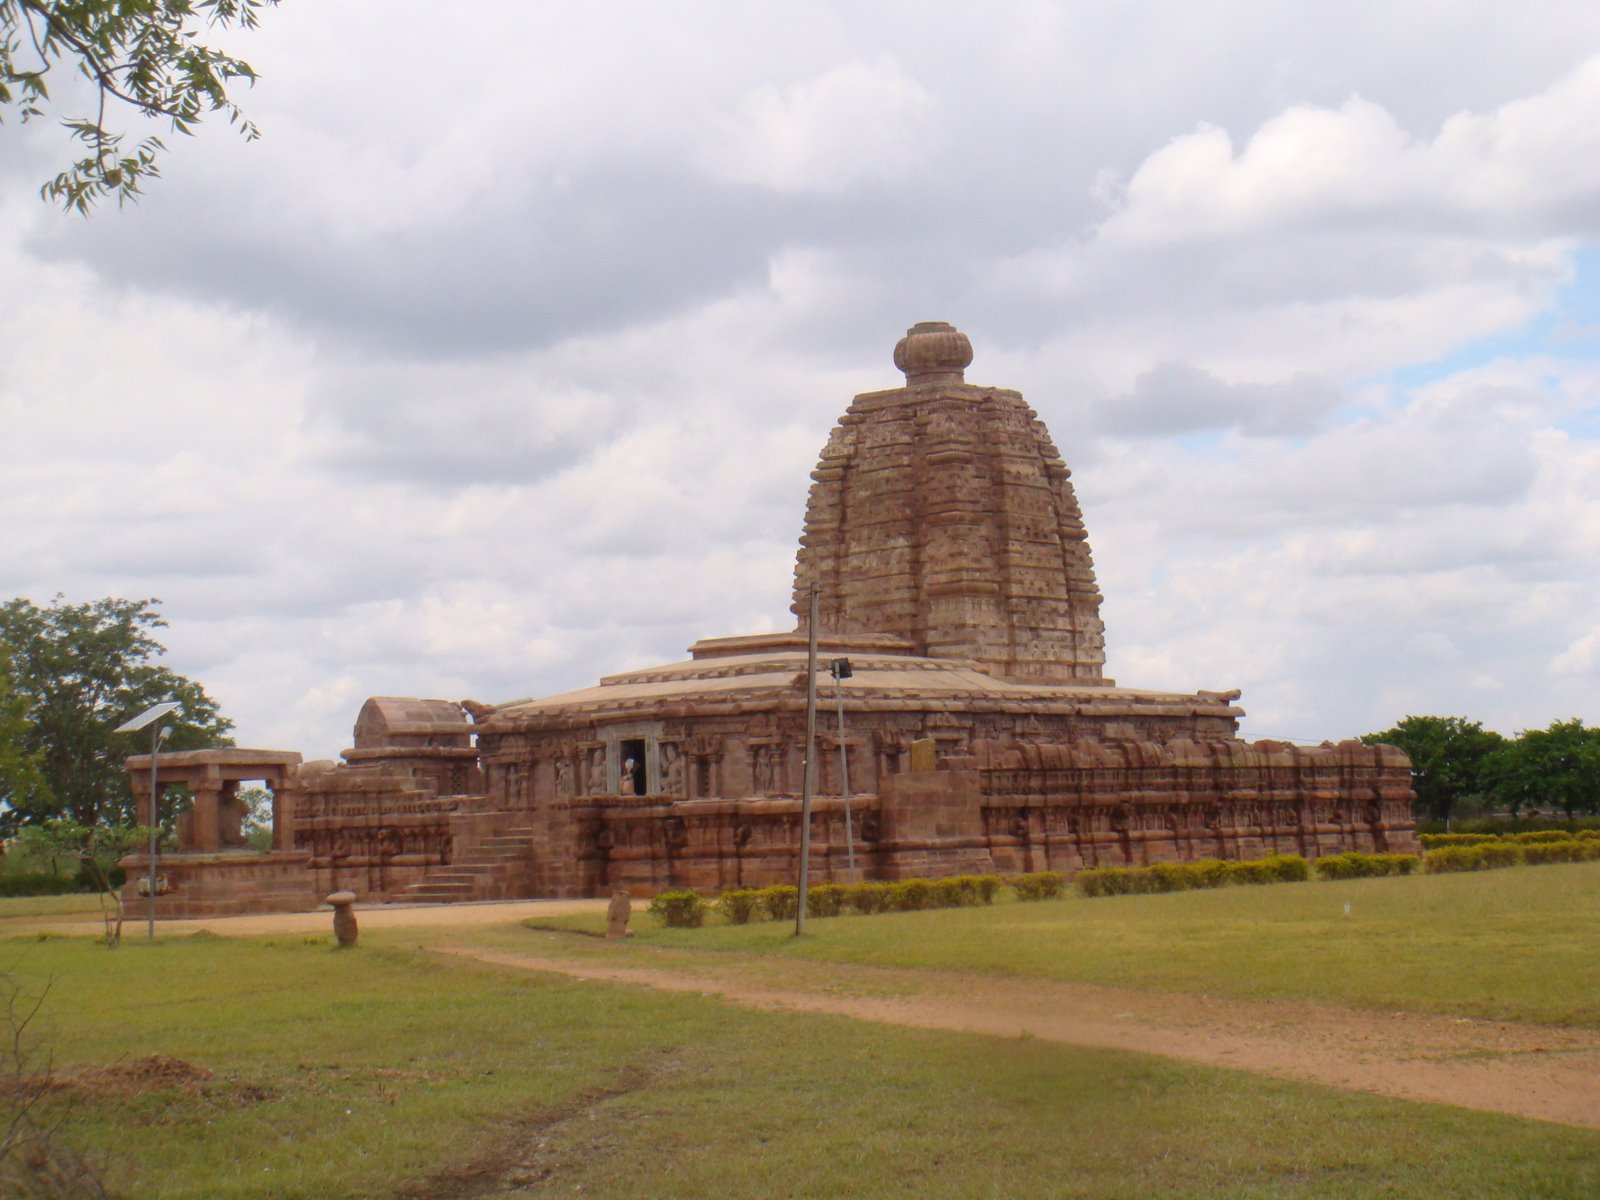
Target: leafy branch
144, 54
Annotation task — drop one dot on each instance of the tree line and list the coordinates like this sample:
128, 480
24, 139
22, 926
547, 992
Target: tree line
69, 675
1458, 764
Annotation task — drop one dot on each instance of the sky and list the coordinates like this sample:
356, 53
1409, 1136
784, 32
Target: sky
500, 362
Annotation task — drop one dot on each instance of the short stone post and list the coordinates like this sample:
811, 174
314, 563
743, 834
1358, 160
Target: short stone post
617, 914
344, 918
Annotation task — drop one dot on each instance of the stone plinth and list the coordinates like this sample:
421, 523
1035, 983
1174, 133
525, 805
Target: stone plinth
222, 884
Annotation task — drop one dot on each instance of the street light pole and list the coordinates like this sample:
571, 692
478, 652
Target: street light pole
811, 771
839, 668
158, 734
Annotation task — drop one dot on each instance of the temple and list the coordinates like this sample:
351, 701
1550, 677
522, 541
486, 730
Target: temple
956, 590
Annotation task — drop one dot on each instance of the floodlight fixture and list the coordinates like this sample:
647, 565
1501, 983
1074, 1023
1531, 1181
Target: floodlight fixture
154, 713
839, 668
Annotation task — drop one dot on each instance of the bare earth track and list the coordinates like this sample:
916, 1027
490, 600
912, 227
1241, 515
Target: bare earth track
1544, 1072
1548, 1073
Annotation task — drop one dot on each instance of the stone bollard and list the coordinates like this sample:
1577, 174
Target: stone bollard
344, 918
617, 914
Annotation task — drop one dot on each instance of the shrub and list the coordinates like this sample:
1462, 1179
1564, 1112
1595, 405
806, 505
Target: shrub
1500, 854
1040, 885
739, 906
1432, 841
1210, 872
869, 897
1540, 835
1249, 871
1287, 868
910, 895
1453, 858
826, 900
986, 887
951, 892
1571, 850
679, 910
780, 901
1169, 877
1354, 865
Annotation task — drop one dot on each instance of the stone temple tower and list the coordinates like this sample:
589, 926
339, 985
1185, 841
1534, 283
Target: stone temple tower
942, 514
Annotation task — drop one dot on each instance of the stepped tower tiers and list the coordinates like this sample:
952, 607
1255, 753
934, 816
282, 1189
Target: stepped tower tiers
942, 514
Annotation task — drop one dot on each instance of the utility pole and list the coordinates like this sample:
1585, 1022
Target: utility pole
811, 769
839, 668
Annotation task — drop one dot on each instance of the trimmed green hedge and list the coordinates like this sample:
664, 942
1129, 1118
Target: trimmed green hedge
679, 910
1354, 865
737, 907
1435, 841
1041, 885
1182, 877
1508, 853
777, 903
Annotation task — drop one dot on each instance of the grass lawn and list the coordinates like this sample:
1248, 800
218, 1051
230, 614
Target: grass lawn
389, 1072
1517, 944
76, 906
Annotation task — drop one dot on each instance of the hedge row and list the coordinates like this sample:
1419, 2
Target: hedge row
1489, 855
47, 883
1513, 825
835, 899
1354, 865
687, 910
1436, 841
1180, 877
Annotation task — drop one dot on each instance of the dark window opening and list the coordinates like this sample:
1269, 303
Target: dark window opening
632, 777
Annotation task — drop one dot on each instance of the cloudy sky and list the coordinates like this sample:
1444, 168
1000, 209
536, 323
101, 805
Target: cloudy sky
501, 361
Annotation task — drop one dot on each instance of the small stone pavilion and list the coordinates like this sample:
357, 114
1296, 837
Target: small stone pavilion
981, 734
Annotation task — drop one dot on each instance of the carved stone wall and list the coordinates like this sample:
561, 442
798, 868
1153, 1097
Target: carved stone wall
371, 830
1066, 807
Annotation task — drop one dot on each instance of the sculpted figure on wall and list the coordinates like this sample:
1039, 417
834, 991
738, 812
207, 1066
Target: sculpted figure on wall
671, 770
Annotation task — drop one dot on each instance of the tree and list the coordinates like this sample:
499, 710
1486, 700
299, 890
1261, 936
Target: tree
20, 774
83, 669
1447, 756
1558, 767
143, 54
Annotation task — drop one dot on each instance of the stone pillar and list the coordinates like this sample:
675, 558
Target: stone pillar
141, 797
284, 798
205, 831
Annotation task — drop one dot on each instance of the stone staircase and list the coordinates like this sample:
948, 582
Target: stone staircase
500, 867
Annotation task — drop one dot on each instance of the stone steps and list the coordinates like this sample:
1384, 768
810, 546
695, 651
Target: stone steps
489, 870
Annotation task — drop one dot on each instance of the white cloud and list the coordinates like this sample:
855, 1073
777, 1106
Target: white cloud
857, 123
491, 386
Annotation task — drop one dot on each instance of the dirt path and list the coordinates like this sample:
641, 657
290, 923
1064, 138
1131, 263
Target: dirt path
369, 916
1548, 1073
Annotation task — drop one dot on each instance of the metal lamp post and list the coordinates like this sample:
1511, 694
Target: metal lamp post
158, 734
804, 882
839, 668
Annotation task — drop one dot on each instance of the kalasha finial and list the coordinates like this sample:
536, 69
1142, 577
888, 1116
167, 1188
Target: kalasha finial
933, 352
